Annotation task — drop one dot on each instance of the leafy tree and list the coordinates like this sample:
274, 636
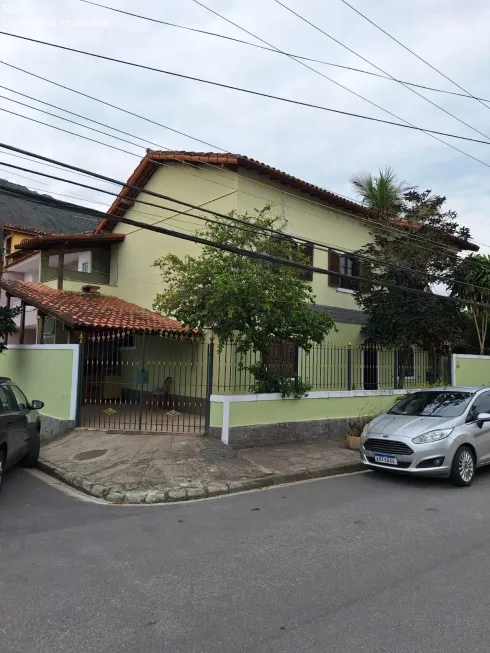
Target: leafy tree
251, 303
384, 193
398, 256
7, 324
471, 282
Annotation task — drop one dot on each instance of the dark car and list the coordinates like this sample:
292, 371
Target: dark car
19, 427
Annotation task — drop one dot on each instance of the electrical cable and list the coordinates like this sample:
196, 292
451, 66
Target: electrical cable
195, 138
296, 56
468, 94
244, 90
247, 253
412, 90
380, 227
248, 227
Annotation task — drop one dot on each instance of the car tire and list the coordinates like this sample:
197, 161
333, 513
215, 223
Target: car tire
3, 457
31, 457
463, 467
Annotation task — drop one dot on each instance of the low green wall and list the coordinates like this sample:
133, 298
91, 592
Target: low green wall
44, 372
216, 414
471, 370
303, 410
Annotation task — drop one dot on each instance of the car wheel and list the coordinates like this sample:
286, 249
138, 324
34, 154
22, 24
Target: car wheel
463, 467
3, 457
31, 457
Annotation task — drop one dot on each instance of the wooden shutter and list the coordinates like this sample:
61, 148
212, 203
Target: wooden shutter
334, 266
307, 251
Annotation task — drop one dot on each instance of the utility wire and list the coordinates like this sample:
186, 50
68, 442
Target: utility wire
240, 251
387, 228
412, 90
248, 227
245, 90
301, 63
467, 93
296, 56
384, 227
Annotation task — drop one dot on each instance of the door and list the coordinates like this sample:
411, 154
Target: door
19, 418
370, 368
10, 431
481, 435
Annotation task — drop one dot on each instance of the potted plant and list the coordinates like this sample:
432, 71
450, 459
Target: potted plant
353, 437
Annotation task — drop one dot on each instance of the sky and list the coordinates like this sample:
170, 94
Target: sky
319, 147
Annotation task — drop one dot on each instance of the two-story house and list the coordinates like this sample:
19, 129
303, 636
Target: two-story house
105, 280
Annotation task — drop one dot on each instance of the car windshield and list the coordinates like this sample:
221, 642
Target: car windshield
442, 403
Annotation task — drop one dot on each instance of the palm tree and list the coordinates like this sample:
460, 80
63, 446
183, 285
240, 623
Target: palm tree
383, 193
472, 283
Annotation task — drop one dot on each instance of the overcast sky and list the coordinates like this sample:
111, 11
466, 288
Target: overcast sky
322, 148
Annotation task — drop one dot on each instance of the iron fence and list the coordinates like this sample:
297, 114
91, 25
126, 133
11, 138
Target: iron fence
144, 381
333, 367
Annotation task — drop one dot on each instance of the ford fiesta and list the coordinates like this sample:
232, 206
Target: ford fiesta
437, 432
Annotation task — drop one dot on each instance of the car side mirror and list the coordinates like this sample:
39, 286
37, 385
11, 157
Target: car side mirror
482, 418
37, 405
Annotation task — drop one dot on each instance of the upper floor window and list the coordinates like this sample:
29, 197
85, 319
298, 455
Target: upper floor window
77, 261
346, 265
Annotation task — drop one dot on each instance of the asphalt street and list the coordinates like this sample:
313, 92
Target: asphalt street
355, 563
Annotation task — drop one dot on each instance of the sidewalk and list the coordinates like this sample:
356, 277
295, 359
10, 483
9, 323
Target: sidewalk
137, 468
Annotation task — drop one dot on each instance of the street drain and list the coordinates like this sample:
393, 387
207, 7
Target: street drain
90, 455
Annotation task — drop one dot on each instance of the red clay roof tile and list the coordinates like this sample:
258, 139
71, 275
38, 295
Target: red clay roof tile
90, 311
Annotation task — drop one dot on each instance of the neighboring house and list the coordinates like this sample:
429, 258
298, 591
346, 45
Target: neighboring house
23, 215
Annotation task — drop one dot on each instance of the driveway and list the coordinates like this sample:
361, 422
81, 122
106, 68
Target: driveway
354, 563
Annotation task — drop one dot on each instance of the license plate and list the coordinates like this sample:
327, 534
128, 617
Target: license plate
385, 459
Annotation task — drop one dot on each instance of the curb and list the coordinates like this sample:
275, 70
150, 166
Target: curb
172, 495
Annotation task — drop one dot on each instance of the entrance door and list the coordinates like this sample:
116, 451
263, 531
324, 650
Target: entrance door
370, 368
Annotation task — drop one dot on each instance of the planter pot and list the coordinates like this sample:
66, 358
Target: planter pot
352, 442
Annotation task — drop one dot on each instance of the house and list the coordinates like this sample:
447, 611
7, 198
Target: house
110, 270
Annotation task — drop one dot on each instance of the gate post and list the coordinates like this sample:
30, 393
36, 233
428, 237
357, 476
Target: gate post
81, 361
349, 367
209, 385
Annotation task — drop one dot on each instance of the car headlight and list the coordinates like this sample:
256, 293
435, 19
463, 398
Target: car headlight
432, 436
365, 431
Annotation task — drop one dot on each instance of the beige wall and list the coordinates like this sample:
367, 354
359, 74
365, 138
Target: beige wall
222, 190
308, 219
137, 281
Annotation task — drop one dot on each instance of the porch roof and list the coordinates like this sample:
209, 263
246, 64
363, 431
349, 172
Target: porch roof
69, 241
87, 311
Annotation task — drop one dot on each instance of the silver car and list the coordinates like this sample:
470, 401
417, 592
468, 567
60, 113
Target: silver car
437, 432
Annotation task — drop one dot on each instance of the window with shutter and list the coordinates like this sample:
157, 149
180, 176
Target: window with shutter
333, 266
307, 251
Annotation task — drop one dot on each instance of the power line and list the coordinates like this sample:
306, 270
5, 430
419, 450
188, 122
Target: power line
248, 91
384, 227
387, 228
378, 68
247, 225
467, 93
301, 63
296, 56
240, 251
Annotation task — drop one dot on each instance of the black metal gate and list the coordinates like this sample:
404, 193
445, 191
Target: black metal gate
140, 381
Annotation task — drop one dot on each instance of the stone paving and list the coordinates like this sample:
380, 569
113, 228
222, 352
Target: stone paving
149, 468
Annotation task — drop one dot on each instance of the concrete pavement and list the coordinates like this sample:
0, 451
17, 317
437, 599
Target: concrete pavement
347, 564
138, 468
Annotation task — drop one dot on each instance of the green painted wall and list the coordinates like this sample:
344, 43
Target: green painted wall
472, 371
289, 410
43, 374
216, 414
